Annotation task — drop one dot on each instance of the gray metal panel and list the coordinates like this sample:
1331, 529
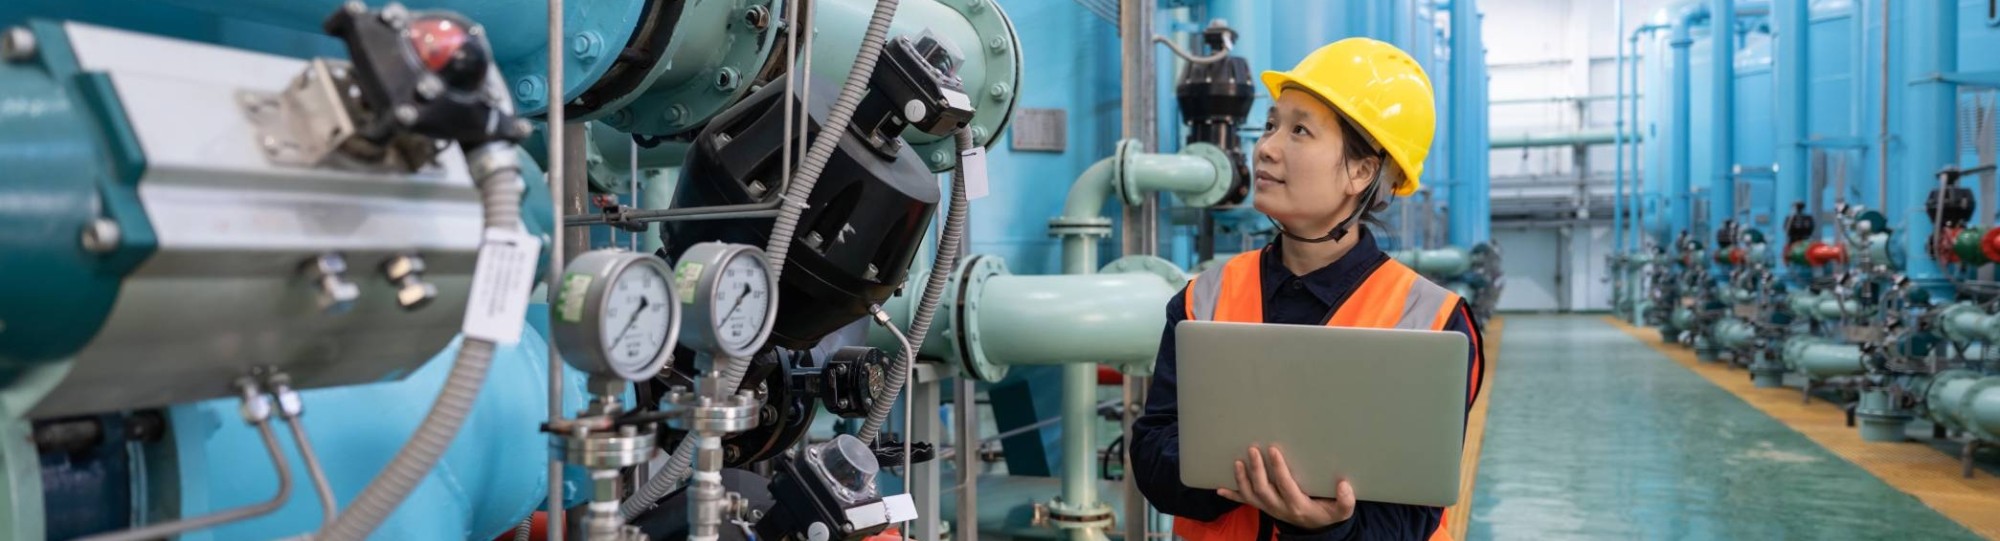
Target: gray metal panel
1383, 408
223, 294
1040, 130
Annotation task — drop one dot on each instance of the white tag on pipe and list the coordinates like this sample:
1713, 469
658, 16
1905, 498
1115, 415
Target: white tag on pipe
497, 305
974, 163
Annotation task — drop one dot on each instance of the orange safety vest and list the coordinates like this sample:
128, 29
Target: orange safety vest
1392, 297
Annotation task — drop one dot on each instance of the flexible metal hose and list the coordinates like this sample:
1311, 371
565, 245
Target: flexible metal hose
943, 263
682, 462
497, 170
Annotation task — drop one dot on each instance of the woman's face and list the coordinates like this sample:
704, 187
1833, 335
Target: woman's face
1304, 179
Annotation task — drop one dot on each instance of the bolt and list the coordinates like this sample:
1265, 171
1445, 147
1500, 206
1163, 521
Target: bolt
939, 156
336, 294
725, 79
586, 46
999, 91
997, 44
529, 90
914, 110
675, 114
975, 6
430, 86
406, 114
18, 45
100, 236
978, 134
620, 118
758, 17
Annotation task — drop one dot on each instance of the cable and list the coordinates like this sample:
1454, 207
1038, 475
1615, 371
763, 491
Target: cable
682, 462
1212, 58
882, 318
943, 264
496, 169
258, 413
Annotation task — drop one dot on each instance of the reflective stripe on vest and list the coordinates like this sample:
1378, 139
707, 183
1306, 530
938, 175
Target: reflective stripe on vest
1392, 297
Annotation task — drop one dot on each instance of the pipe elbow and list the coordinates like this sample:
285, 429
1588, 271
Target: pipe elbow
1691, 15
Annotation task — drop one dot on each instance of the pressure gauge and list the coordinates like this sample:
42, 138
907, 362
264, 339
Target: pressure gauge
616, 314
730, 297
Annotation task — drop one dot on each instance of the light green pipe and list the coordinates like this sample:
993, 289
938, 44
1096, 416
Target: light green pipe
1199, 175
1821, 359
1069, 319
1874, 247
1831, 308
1803, 304
1965, 401
1964, 322
1732, 333
1682, 318
1445, 262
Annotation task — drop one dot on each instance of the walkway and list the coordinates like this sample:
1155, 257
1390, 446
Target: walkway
1591, 434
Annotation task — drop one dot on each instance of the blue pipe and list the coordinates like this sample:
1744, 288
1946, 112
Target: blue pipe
1929, 39
1722, 62
1790, 25
1470, 220
1678, 153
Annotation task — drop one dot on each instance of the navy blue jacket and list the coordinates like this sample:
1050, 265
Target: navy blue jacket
1300, 300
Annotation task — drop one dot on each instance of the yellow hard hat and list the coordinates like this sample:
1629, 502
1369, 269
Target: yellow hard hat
1378, 87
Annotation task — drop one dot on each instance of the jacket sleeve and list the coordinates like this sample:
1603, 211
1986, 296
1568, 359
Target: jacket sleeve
1156, 435
1376, 521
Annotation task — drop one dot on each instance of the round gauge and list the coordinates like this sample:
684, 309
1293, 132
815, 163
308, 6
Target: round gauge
730, 295
617, 314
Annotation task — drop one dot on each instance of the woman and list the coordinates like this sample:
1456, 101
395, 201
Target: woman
1347, 127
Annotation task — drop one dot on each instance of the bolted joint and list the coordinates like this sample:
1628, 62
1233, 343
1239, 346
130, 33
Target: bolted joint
256, 407
336, 294
18, 44
406, 273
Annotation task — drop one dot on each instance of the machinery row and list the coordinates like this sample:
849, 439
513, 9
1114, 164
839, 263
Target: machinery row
1863, 132
627, 269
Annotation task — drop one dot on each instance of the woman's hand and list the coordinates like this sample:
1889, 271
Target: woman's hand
1273, 490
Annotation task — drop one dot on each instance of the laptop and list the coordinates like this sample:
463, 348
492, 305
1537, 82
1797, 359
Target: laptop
1383, 408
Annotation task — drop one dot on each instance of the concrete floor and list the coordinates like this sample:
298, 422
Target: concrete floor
1591, 434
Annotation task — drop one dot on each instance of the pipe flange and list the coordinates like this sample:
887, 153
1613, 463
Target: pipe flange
631, 445
736, 413
994, 102
1092, 226
1127, 157
1065, 516
1146, 264
734, 52
964, 317
1225, 173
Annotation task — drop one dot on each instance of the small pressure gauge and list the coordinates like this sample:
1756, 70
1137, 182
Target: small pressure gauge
616, 314
730, 298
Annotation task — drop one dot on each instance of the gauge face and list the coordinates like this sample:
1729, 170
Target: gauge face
742, 300
637, 318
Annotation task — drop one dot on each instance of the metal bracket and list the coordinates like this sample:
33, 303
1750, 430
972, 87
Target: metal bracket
311, 124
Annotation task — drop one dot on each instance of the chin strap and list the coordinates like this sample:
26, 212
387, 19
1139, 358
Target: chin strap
1339, 230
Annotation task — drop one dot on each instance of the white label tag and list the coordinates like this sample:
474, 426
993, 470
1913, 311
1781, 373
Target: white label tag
974, 163
498, 303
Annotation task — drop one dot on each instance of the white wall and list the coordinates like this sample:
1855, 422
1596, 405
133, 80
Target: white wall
1551, 48
1554, 267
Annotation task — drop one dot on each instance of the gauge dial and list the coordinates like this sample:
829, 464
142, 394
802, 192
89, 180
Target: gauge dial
636, 318
616, 314
730, 292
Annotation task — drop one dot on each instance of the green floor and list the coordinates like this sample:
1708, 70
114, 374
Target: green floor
1593, 435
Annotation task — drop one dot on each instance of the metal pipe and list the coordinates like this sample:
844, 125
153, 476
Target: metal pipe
1618, 148
1100, 318
1722, 67
965, 417
292, 407
714, 212
1558, 139
1790, 23
554, 508
257, 410
1135, 28
1927, 124
1467, 114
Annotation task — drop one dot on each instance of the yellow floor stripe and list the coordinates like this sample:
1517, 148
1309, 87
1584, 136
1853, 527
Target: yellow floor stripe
1914, 468
1457, 517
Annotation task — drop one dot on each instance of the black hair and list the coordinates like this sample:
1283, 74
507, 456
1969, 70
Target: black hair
1356, 145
